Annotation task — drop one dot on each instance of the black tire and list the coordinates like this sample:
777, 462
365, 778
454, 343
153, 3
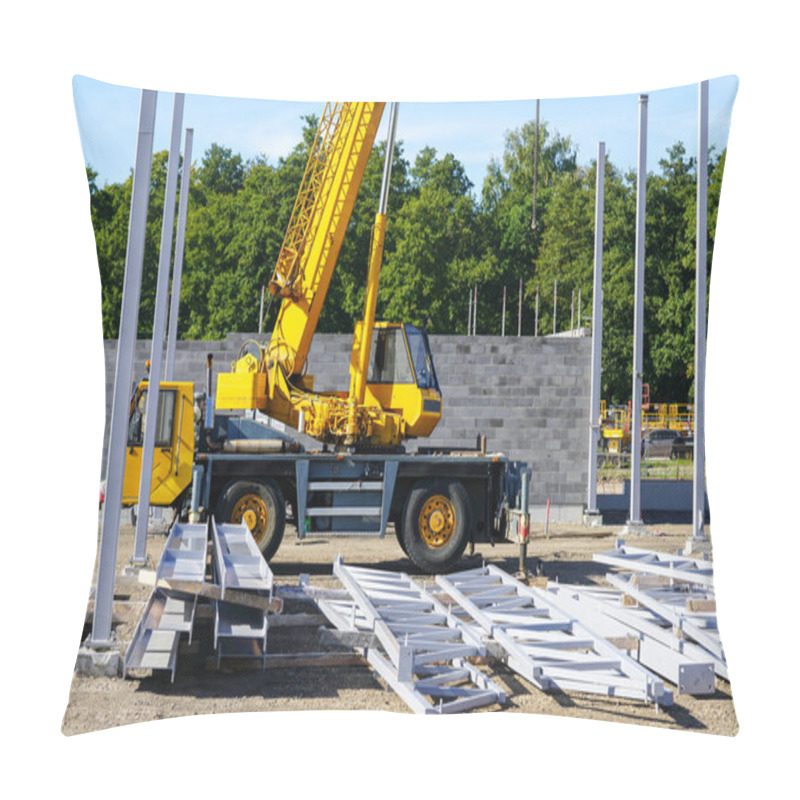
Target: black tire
264, 500
398, 532
437, 521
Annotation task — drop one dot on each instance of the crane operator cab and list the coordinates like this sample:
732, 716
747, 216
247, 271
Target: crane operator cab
402, 378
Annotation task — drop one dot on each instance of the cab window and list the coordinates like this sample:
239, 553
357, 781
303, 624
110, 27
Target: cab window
164, 418
389, 357
421, 358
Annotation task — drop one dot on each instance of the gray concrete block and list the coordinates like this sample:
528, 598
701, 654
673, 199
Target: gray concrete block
99, 663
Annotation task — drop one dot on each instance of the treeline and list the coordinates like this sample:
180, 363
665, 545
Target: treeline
444, 237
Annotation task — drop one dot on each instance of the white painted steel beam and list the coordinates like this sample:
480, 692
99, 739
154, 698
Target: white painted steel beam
635, 516
546, 645
159, 327
699, 480
700, 627
126, 345
238, 563
425, 648
685, 665
597, 331
675, 567
177, 269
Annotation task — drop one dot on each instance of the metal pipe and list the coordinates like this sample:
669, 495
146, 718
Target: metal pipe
129, 315
536, 314
159, 325
698, 490
597, 330
503, 323
638, 322
475, 314
555, 304
519, 310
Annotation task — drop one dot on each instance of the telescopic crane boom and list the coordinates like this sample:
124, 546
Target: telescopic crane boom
393, 390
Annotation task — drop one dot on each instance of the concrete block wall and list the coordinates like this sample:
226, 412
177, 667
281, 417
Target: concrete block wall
529, 396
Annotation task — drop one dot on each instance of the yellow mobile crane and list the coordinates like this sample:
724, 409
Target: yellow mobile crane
390, 406
352, 476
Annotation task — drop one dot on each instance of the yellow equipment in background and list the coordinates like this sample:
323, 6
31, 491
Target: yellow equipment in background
393, 392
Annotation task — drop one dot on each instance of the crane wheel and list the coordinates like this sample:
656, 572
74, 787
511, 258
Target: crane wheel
436, 525
261, 506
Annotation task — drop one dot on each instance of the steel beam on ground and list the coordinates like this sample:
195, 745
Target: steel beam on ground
687, 666
674, 567
700, 627
544, 643
118, 434
238, 563
168, 614
425, 648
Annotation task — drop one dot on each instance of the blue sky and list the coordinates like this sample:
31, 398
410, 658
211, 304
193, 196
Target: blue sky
473, 132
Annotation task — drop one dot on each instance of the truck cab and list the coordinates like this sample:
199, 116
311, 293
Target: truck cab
174, 443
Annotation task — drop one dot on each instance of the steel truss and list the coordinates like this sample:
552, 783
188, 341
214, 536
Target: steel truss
681, 608
546, 645
676, 567
425, 648
634, 628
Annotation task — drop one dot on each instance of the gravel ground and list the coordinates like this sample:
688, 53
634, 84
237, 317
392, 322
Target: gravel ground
200, 688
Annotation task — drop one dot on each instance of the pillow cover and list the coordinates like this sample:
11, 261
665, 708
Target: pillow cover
489, 262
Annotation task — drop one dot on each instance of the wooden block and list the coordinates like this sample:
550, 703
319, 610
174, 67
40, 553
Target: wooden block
624, 642
701, 605
235, 596
291, 661
298, 621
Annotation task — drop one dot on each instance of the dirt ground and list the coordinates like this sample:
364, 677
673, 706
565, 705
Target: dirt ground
350, 684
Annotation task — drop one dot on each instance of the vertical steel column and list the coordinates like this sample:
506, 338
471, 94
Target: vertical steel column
572, 313
469, 314
503, 323
177, 269
555, 304
698, 494
535, 166
536, 314
597, 329
635, 517
126, 347
475, 314
519, 310
159, 323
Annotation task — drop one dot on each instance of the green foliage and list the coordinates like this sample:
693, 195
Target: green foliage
442, 241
